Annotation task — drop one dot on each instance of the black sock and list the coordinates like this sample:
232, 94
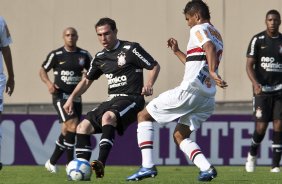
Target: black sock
69, 143
276, 149
106, 142
83, 146
59, 150
257, 138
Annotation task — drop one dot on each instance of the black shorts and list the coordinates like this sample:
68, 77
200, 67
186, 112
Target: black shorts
59, 100
125, 108
267, 107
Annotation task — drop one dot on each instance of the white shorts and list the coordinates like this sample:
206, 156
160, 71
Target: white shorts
2, 88
188, 106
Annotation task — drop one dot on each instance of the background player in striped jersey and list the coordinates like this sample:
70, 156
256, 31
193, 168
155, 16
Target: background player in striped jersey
68, 63
122, 62
193, 101
264, 68
5, 41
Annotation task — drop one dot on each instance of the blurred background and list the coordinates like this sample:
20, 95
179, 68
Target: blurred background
36, 27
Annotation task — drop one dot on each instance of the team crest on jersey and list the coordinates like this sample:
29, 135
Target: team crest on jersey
280, 49
208, 82
258, 113
81, 61
121, 59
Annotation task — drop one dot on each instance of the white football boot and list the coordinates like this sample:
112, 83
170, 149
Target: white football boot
51, 168
275, 170
251, 163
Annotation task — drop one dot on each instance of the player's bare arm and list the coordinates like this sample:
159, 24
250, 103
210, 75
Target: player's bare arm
45, 78
81, 87
6, 51
213, 61
251, 74
147, 89
173, 45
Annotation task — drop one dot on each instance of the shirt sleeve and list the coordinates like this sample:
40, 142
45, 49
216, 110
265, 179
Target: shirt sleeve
94, 71
48, 64
200, 35
142, 58
251, 52
5, 37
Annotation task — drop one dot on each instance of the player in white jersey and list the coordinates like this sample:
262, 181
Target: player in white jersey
192, 102
5, 41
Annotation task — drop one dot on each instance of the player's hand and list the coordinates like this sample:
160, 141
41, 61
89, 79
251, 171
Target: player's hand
147, 90
10, 85
219, 82
68, 107
172, 44
257, 88
52, 88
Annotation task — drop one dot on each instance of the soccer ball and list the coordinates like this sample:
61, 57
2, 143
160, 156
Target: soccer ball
79, 169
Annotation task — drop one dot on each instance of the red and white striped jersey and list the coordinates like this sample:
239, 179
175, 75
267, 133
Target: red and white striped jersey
196, 66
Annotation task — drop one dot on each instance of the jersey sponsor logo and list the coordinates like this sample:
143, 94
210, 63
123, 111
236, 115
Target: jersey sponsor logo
61, 62
69, 78
121, 59
199, 36
100, 53
81, 61
280, 49
141, 57
258, 113
127, 47
116, 81
268, 63
59, 52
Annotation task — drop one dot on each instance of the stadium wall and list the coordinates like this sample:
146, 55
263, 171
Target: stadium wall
30, 140
36, 27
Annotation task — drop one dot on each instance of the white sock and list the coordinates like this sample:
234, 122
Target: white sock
194, 153
145, 136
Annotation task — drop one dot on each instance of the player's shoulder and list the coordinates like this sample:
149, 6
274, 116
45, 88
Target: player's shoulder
81, 50
260, 36
57, 51
128, 45
2, 19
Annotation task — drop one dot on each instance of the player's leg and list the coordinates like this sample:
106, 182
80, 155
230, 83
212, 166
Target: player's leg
69, 138
277, 132
164, 108
120, 113
70, 129
193, 151
145, 137
276, 145
106, 143
1, 165
83, 143
262, 114
2, 88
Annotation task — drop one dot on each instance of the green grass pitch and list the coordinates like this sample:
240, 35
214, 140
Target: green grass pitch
117, 174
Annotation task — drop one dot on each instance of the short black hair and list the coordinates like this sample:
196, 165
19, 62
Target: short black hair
273, 12
106, 20
197, 6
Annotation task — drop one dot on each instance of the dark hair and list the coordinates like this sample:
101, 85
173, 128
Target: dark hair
106, 20
273, 12
197, 6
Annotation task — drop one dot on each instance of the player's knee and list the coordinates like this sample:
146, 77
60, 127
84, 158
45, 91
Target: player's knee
84, 127
71, 125
178, 137
109, 118
144, 116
